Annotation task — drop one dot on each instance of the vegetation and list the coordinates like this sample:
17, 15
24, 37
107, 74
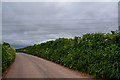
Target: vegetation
8, 55
95, 53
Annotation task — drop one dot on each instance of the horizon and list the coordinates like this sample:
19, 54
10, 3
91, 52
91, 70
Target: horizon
23, 46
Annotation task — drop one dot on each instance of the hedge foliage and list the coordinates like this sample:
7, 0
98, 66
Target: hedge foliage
95, 53
8, 55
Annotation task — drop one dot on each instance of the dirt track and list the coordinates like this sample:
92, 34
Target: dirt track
28, 66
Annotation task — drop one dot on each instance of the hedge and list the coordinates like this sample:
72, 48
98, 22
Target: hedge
95, 53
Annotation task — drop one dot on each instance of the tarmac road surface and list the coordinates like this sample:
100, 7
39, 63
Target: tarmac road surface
28, 66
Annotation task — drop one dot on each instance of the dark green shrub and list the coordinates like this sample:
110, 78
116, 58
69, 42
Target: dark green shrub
97, 53
8, 56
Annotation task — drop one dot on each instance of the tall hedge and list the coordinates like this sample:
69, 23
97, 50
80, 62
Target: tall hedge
95, 53
8, 55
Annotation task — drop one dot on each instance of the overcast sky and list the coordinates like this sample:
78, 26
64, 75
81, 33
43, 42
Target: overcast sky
60, 0
28, 23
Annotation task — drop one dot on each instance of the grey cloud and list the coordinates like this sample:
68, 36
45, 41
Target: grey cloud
31, 23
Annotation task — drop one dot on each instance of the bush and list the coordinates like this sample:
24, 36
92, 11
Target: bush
97, 53
8, 56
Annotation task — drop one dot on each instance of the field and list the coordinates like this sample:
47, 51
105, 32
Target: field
97, 54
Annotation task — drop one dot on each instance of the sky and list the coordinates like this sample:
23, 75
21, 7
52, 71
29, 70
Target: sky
28, 23
60, 0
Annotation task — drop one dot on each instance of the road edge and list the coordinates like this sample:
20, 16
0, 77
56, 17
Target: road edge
87, 74
5, 73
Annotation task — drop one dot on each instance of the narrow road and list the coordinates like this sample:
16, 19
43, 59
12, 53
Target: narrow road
28, 66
